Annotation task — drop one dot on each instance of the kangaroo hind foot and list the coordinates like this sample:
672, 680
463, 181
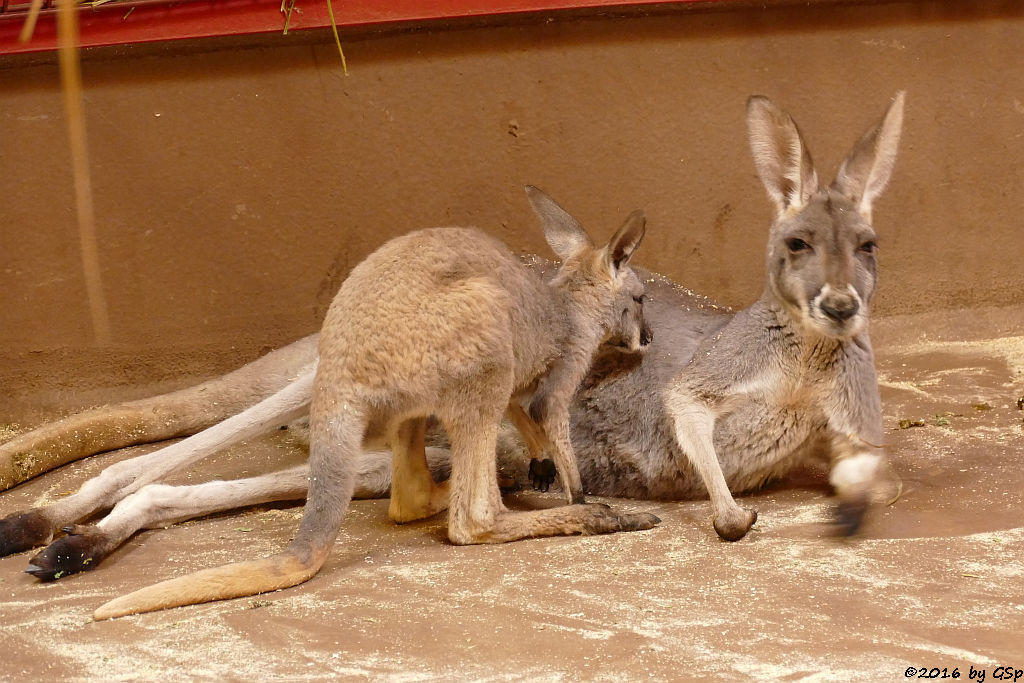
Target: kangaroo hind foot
414, 494
83, 548
23, 531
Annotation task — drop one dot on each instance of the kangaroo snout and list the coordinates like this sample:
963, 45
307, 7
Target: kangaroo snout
646, 335
837, 306
840, 311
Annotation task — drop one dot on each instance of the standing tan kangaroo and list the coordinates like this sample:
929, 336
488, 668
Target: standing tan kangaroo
789, 380
456, 327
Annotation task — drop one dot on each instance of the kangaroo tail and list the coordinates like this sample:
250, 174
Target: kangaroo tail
334, 450
167, 416
219, 583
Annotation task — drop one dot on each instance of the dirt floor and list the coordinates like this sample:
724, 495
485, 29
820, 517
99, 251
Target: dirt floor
935, 580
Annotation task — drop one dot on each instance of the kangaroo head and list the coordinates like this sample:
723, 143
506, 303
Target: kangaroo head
606, 293
821, 257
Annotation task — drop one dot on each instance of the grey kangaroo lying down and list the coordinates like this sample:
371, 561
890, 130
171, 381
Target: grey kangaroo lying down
789, 380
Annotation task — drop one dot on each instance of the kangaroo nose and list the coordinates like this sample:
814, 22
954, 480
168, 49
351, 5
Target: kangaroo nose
840, 312
646, 336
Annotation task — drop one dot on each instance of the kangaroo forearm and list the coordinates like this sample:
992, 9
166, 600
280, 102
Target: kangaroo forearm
556, 390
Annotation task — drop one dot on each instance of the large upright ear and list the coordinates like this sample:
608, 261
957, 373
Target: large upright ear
626, 239
563, 232
866, 171
780, 155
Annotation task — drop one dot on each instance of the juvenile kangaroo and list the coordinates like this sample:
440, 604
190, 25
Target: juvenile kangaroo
455, 326
783, 382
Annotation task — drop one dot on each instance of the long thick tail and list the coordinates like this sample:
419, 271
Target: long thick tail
167, 416
219, 583
336, 441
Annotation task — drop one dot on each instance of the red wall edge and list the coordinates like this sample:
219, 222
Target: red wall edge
144, 21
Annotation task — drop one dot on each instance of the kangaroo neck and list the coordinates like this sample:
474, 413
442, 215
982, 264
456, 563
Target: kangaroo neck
580, 335
811, 349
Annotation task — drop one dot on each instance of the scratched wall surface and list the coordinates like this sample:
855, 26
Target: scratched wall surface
236, 182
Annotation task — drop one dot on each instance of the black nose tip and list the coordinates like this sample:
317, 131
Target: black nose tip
646, 336
842, 312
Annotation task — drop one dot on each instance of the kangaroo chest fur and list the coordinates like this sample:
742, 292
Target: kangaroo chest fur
777, 396
778, 393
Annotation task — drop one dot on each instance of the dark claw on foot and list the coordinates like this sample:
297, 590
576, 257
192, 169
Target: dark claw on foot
82, 549
542, 473
639, 521
607, 521
849, 516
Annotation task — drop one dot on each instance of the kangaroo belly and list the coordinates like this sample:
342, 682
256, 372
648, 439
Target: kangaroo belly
759, 441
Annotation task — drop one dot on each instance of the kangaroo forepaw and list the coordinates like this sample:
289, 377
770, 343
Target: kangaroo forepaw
735, 524
849, 515
81, 550
542, 473
23, 531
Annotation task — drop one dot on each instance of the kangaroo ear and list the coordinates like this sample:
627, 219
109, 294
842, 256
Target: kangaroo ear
866, 171
563, 232
780, 155
626, 240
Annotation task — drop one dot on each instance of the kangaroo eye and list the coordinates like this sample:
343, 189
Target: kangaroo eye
797, 245
869, 247
640, 299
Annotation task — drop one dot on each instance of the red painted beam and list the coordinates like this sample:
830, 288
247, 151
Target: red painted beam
142, 21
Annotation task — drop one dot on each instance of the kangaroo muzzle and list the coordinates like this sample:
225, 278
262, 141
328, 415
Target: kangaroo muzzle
836, 309
646, 335
840, 311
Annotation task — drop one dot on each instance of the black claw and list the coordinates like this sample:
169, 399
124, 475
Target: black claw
849, 516
639, 522
81, 550
736, 532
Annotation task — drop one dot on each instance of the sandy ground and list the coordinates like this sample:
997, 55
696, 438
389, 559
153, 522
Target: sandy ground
934, 580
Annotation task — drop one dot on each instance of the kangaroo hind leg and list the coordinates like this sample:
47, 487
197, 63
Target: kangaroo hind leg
414, 494
160, 505
334, 448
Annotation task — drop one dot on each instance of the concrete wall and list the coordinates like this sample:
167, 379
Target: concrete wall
237, 181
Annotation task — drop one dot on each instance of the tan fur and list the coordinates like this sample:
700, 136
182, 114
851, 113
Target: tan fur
452, 325
218, 583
